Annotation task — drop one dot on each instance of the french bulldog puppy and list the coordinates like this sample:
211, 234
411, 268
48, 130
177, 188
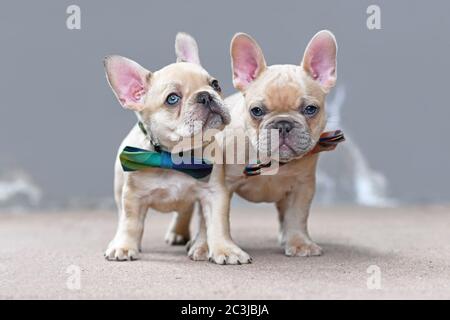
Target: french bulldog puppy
291, 100
167, 103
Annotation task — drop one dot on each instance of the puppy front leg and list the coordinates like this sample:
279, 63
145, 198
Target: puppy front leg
178, 232
127, 241
198, 247
216, 207
293, 212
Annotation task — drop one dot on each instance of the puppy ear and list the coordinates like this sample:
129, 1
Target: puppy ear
186, 48
319, 60
128, 80
247, 60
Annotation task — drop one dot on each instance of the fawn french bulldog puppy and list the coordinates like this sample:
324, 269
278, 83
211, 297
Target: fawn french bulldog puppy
167, 103
291, 100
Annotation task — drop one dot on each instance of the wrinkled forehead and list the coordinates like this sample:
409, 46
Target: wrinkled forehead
285, 88
184, 76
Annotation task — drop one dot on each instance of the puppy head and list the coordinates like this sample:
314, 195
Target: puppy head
178, 102
287, 98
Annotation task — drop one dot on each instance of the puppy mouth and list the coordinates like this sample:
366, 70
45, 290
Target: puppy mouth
289, 147
200, 117
217, 116
286, 152
220, 110
284, 147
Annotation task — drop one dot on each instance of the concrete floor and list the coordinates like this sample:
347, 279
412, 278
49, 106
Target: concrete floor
42, 253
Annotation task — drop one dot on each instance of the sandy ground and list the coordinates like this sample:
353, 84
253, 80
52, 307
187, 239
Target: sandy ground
410, 246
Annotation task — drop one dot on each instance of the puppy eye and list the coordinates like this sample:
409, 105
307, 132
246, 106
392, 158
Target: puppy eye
257, 112
310, 110
172, 99
215, 85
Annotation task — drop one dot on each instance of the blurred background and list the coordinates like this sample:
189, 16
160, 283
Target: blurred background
60, 125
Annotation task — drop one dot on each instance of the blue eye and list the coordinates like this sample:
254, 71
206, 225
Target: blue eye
310, 110
257, 112
173, 99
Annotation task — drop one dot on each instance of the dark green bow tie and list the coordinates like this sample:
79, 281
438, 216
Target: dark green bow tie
133, 159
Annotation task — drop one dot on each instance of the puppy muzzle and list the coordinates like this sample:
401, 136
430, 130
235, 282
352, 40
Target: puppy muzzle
214, 105
294, 138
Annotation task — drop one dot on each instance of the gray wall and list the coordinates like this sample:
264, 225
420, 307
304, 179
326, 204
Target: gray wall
60, 122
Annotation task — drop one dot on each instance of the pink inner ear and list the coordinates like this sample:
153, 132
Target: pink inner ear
245, 63
322, 67
129, 84
186, 48
187, 53
320, 60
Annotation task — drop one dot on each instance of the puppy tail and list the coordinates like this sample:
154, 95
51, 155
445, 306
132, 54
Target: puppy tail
334, 109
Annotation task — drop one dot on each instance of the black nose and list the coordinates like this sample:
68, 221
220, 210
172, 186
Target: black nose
204, 98
284, 127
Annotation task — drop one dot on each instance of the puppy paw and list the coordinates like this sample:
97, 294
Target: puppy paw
229, 254
198, 250
301, 248
175, 239
121, 253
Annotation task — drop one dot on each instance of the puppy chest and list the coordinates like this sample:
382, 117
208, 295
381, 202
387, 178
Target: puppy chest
264, 189
167, 192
